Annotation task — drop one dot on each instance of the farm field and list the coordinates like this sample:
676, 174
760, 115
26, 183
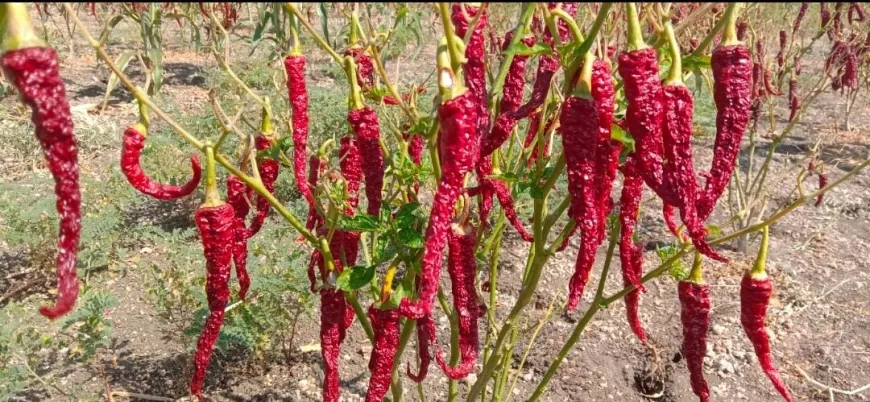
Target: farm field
143, 303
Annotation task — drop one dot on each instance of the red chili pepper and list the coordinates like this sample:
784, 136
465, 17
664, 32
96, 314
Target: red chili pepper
741, 30
415, 148
34, 73
457, 139
474, 69
780, 56
731, 92
607, 151
695, 317
134, 142
425, 337
825, 19
679, 171
850, 73
794, 102
802, 12
858, 10
797, 65
671, 220
332, 333
823, 182
365, 72
268, 169
298, 97
768, 85
386, 326
579, 126
631, 254
462, 267
237, 196
643, 90
315, 169
365, 125
215, 223
755, 291
350, 162
512, 91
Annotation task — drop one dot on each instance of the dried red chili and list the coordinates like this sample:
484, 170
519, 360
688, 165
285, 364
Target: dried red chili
268, 169
694, 297
415, 148
462, 267
512, 91
386, 326
731, 92
297, 92
780, 56
755, 291
365, 125
315, 168
457, 139
350, 162
607, 150
34, 73
631, 254
858, 10
365, 71
768, 85
214, 219
332, 332
794, 102
425, 337
802, 12
237, 196
823, 182
134, 142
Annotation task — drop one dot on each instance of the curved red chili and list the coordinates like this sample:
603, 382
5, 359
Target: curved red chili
732, 71
457, 139
365, 125
802, 12
34, 73
350, 163
462, 267
297, 92
607, 151
365, 72
386, 326
215, 224
515, 80
315, 168
474, 69
425, 337
639, 70
237, 196
134, 142
579, 127
268, 169
794, 102
823, 182
629, 205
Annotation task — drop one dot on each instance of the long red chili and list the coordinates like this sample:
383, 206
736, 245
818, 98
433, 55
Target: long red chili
607, 150
630, 253
237, 196
34, 73
462, 267
457, 139
694, 298
512, 91
386, 326
268, 169
365, 124
214, 219
134, 142
365, 71
579, 125
755, 291
732, 71
315, 168
297, 91
425, 338
823, 182
333, 318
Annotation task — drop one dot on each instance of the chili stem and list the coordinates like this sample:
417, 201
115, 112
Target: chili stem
759, 268
712, 34
322, 43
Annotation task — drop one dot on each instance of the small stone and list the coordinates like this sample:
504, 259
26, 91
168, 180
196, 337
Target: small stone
718, 329
725, 366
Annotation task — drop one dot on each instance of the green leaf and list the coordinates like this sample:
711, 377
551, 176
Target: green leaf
618, 134
694, 62
714, 231
355, 278
324, 21
411, 238
506, 177
536, 192
359, 223
521, 49
407, 215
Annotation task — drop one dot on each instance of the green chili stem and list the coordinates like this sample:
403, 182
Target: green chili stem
729, 36
635, 36
696, 274
360, 315
212, 195
18, 30
519, 31
712, 34
452, 41
675, 75
322, 43
759, 268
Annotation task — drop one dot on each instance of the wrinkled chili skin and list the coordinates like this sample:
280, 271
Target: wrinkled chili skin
365, 70
415, 149
315, 168
474, 69
457, 139
237, 197
350, 163
268, 169
515, 80
34, 73
607, 150
425, 338
639, 70
800, 17
386, 326
215, 226
679, 171
462, 267
695, 317
483, 168
579, 127
823, 182
794, 102
131, 150
365, 125
754, 298
298, 96
332, 333
629, 204
507, 203
732, 71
